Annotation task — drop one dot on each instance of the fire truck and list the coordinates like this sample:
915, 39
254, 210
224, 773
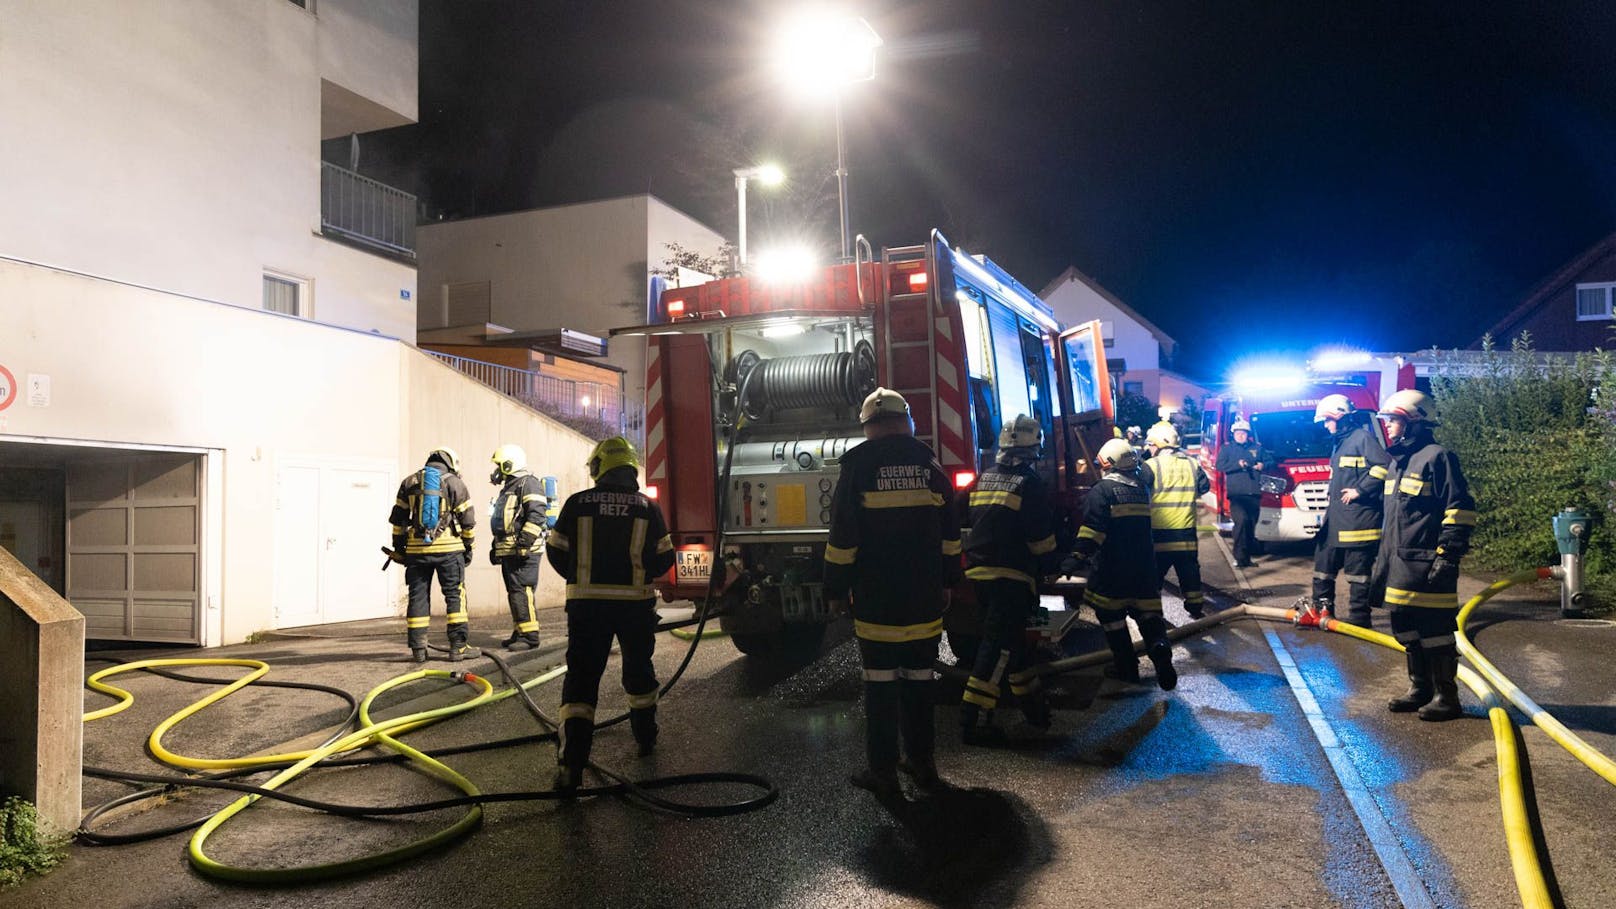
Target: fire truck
1279, 405
752, 397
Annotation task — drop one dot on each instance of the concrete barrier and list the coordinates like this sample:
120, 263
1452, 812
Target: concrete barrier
41, 696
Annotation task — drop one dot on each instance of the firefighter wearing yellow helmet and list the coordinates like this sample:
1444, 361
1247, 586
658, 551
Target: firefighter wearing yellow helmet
519, 523
1010, 546
1176, 482
1350, 536
433, 527
1429, 516
1116, 549
609, 544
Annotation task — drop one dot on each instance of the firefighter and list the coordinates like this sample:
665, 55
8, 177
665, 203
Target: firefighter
519, 526
1115, 548
1175, 482
1429, 516
1011, 544
1350, 536
434, 526
609, 543
1242, 462
895, 547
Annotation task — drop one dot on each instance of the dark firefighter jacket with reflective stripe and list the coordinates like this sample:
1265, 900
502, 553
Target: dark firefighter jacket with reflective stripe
1429, 512
894, 539
518, 521
1116, 525
1012, 526
457, 521
610, 543
1175, 481
1242, 481
1359, 462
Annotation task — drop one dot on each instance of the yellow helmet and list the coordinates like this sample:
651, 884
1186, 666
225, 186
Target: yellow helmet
1163, 435
1411, 405
447, 455
1117, 454
611, 454
509, 459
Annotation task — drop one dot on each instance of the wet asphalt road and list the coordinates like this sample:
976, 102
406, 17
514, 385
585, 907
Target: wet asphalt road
1216, 794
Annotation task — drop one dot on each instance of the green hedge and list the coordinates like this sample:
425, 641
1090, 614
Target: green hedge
24, 849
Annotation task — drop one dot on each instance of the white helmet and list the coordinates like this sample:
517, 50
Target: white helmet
1117, 454
883, 402
1022, 432
1240, 425
447, 455
1411, 405
1332, 407
509, 459
1163, 435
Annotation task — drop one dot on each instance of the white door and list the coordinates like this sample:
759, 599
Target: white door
297, 546
353, 527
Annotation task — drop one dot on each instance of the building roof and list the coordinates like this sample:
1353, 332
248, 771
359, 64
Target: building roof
1072, 274
1552, 285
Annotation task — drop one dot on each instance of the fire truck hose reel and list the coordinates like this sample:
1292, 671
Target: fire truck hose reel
817, 380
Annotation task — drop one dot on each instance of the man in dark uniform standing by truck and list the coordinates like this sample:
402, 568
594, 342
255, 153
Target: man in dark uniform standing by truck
1241, 462
1350, 537
895, 547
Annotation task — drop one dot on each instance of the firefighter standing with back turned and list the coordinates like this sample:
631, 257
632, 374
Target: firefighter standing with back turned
1350, 537
433, 529
895, 545
1429, 518
1175, 482
609, 544
1012, 542
518, 525
1115, 542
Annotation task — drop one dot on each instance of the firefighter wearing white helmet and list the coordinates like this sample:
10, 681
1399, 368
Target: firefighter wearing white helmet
609, 544
1010, 546
894, 546
1350, 537
1428, 521
1176, 482
1116, 544
519, 523
434, 527
1241, 460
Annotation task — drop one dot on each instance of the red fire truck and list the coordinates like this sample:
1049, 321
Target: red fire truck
782, 369
1279, 405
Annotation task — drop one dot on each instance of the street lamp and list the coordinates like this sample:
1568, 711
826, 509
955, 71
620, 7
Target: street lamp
768, 175
821, 53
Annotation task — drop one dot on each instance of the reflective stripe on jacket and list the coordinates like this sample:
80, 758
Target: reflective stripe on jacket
1359, 462
518, 521
610, 543
1175, 482
1429, 513
1116, 527
1012, 526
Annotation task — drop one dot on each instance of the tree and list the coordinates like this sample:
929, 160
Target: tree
679, 256
1134, 409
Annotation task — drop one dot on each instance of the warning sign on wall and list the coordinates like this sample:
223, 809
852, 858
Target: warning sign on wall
8, 387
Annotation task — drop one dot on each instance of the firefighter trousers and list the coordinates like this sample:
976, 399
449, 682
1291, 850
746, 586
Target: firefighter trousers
1244, 511
1187, 563
1113, 618
521, 575
1329, 561
450, 569
897, 701
591, 627
1003, 654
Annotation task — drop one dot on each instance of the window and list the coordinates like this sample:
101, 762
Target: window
286, 294
1593, 301
1133, 388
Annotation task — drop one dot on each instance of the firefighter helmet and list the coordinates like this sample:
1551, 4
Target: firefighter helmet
1332, 407
883, 402
611, 454
1411, 405
1240, 426
447, 456
1163, 435
1117, 454
509, 459
1022, 432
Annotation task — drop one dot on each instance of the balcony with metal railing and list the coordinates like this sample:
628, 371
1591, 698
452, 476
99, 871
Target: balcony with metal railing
591, 408
356, 209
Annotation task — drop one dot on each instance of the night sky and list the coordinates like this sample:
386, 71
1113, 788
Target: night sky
1250, 176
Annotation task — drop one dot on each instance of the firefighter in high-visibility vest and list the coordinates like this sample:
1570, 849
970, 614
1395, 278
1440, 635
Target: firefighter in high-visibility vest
1116, 549
894, 546
1350, 537
1428, 522
519, 526
609, 543
1176, 483
1010, 546
434, 527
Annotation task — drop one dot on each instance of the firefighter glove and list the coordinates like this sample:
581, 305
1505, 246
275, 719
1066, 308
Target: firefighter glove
524, 543
492, 558
1075, 565
1444, 573
398, 543
466, 554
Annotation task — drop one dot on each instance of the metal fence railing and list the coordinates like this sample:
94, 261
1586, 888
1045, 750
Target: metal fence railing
589, 407
366, 211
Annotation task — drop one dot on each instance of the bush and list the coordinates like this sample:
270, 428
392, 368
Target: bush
1535, 434
24, 849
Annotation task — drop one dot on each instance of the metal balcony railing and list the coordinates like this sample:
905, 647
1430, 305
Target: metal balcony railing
589, 407
365, 211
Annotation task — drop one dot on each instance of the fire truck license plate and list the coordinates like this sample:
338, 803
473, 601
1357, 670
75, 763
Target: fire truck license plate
693, 565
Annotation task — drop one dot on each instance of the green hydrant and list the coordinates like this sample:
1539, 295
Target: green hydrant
1571, 536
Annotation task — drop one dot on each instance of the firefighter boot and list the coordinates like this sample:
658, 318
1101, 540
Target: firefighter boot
917, 723
577, 737
1419, 682
643, 721
568, 779
1445, 706
1124, 662
518, 639
1154, 628
1035, 707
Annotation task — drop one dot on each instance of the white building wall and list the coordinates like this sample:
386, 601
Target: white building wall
371, 48
1075, 301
